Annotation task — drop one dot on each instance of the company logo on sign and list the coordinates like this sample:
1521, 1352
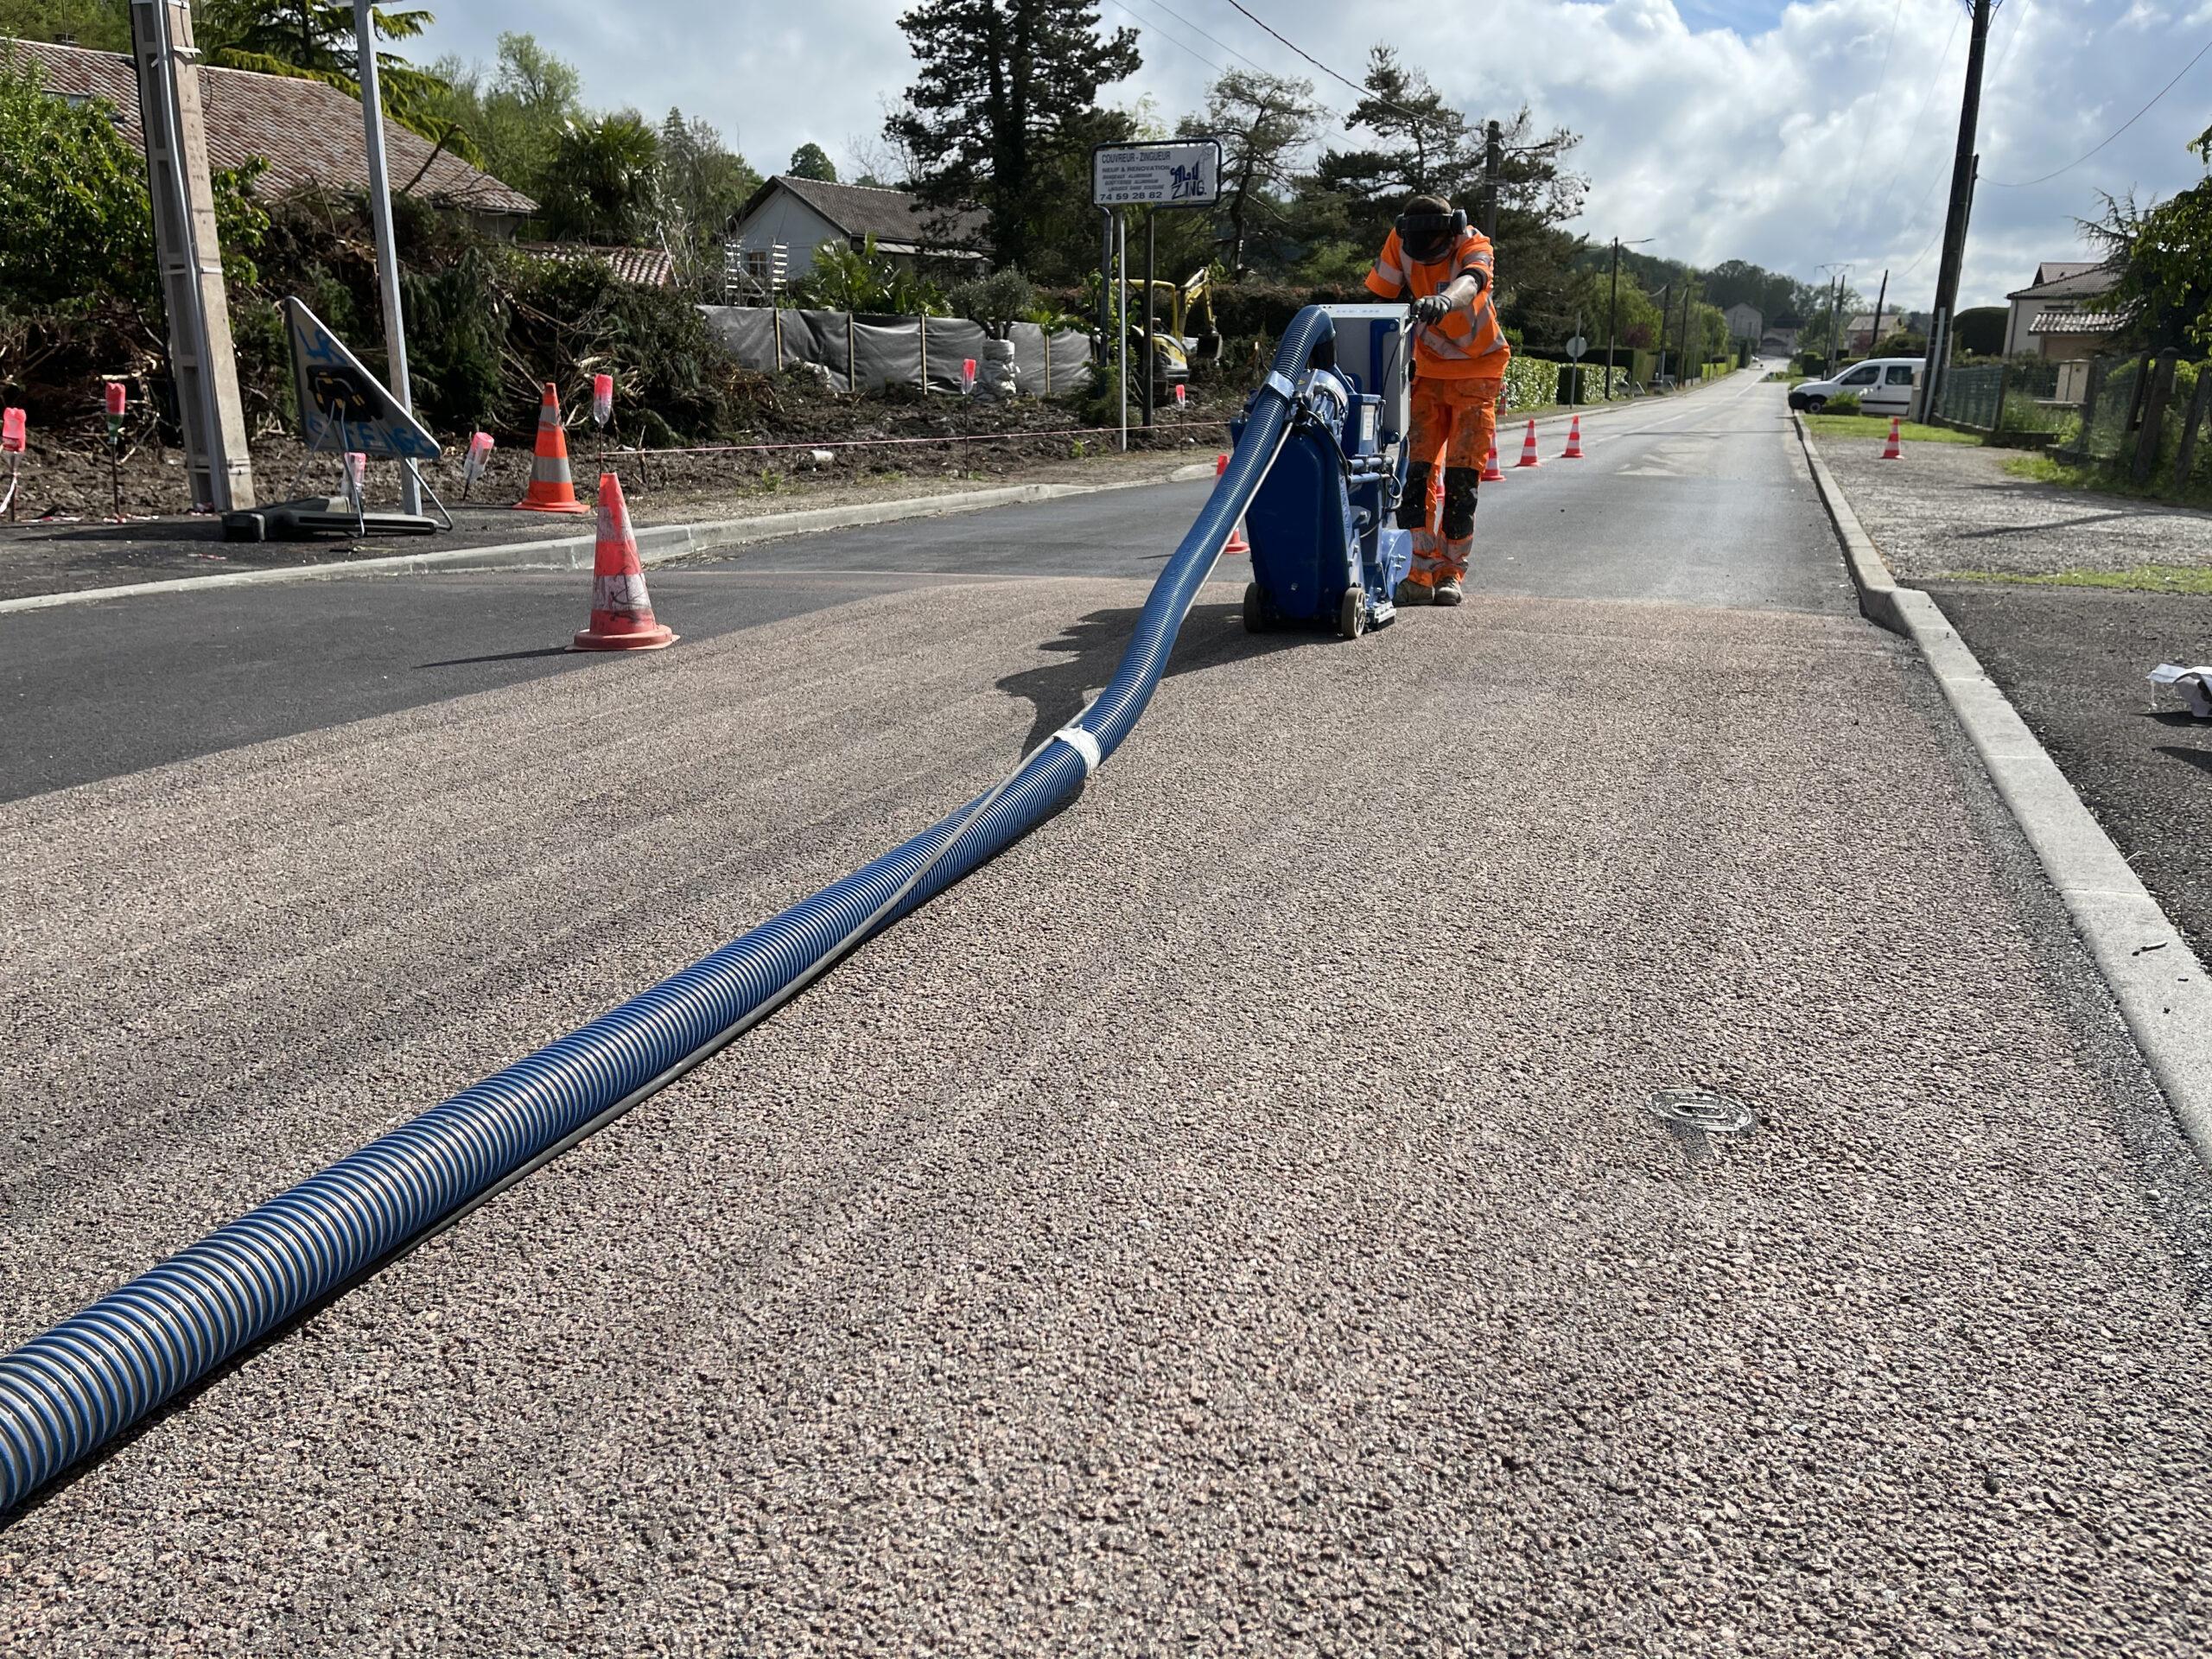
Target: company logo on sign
1156, 175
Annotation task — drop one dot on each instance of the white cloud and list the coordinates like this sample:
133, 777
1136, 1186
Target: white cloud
1746, 132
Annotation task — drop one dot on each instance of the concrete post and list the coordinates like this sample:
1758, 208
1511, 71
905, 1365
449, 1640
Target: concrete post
202, 362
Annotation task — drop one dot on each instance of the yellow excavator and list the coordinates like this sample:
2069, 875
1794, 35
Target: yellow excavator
1177, 309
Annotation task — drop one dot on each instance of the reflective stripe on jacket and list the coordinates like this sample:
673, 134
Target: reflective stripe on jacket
1468, 344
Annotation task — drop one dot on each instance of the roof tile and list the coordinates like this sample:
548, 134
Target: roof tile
308, 132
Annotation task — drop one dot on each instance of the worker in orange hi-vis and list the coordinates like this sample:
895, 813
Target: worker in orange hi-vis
1435, 259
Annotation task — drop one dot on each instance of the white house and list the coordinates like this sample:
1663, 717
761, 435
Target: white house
1744, 322
2066, 287
774, 236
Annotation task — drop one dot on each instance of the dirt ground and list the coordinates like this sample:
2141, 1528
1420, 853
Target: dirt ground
865, 438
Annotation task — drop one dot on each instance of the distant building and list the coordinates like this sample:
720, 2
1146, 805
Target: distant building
1745, 323
1782, 334
773, 238
646, 267
2057, 315
309, 133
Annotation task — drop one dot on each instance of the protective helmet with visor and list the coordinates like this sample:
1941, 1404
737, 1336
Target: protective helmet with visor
1428, 232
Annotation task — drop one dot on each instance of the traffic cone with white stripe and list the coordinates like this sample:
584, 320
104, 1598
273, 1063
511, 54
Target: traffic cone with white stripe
1235, 543
1529, 457
551, 489
1573, 450
621, 612
1491, 472
1893, 450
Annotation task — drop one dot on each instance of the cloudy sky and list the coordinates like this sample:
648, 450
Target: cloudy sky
1793, 135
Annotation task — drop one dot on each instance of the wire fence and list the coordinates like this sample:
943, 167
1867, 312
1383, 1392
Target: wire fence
2022, 395
2145, 416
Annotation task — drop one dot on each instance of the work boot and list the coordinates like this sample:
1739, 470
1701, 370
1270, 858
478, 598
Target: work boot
1410, 592
1447, 591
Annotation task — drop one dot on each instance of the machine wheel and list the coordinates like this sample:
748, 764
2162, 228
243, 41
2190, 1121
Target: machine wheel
1351, 613
1259, 615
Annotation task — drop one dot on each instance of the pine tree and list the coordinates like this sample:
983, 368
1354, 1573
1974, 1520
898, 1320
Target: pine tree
1263, 122
1006, 96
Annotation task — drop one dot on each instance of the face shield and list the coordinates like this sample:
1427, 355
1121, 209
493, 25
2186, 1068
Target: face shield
1426, 237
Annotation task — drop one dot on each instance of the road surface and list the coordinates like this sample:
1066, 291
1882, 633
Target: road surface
1234, 1221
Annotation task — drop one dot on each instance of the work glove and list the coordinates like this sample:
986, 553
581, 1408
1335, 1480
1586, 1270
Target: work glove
1433, 308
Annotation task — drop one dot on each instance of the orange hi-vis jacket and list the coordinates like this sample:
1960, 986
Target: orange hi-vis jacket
1467, 345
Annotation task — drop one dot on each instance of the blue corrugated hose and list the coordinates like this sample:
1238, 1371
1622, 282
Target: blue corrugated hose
65, 1394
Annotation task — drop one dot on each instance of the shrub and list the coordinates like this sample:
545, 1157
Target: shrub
1844, 402
1003, 296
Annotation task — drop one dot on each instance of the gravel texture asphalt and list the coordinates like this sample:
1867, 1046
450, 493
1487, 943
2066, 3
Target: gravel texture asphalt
1234, 1221
2073, 662
1951, 508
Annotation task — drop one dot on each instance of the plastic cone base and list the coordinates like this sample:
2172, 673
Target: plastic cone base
552, 506
620, 635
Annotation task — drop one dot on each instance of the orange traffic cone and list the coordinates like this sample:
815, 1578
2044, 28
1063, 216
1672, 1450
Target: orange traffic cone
1235, 543
621, 614
550, 488
1573, 450
1528, 457
1491, 474
1892, 450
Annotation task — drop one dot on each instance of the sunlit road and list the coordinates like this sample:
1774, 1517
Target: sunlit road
1236, 1220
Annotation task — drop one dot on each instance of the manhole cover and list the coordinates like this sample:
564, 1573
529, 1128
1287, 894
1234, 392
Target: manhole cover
1700, 1109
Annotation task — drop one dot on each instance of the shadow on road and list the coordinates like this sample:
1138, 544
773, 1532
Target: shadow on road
2201, 759
497, 657
1086, 653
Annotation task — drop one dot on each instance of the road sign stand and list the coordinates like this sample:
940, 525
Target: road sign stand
1175, 173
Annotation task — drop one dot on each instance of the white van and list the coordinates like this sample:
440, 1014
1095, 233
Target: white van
1883, 385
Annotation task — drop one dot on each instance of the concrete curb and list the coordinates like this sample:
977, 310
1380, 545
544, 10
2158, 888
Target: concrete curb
2164, 992
659, 544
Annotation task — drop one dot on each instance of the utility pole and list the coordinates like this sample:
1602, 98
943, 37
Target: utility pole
1612, 317
1963, 166
1681, 350
395, 325
203, 364
1493, 163
1836, 299
1666, 310
1881, 298
1613, 309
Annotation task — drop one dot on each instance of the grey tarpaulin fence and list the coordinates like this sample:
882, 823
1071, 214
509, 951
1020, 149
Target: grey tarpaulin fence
873, 352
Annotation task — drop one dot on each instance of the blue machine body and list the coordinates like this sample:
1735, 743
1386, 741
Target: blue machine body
1324, 550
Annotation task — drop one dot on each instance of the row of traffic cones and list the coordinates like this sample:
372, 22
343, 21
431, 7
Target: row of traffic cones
1238, 543
1528, 455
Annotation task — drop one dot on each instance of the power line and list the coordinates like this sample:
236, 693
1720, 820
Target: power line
1356, 87
1152, 28
1881, 79
1195, 29
2114, 133
1926, 99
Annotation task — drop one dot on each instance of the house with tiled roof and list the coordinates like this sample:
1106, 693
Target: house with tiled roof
2060, 314
773, 238
308, 132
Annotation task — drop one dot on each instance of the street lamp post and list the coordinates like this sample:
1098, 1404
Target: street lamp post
1613, 309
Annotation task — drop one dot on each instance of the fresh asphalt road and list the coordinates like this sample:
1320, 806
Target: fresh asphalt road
1234, 1221
93, 692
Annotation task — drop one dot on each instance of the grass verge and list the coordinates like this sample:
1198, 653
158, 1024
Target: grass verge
2101, 480
1877, 426
2195, 579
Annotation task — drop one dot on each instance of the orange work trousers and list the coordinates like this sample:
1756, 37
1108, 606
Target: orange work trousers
1452, 424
